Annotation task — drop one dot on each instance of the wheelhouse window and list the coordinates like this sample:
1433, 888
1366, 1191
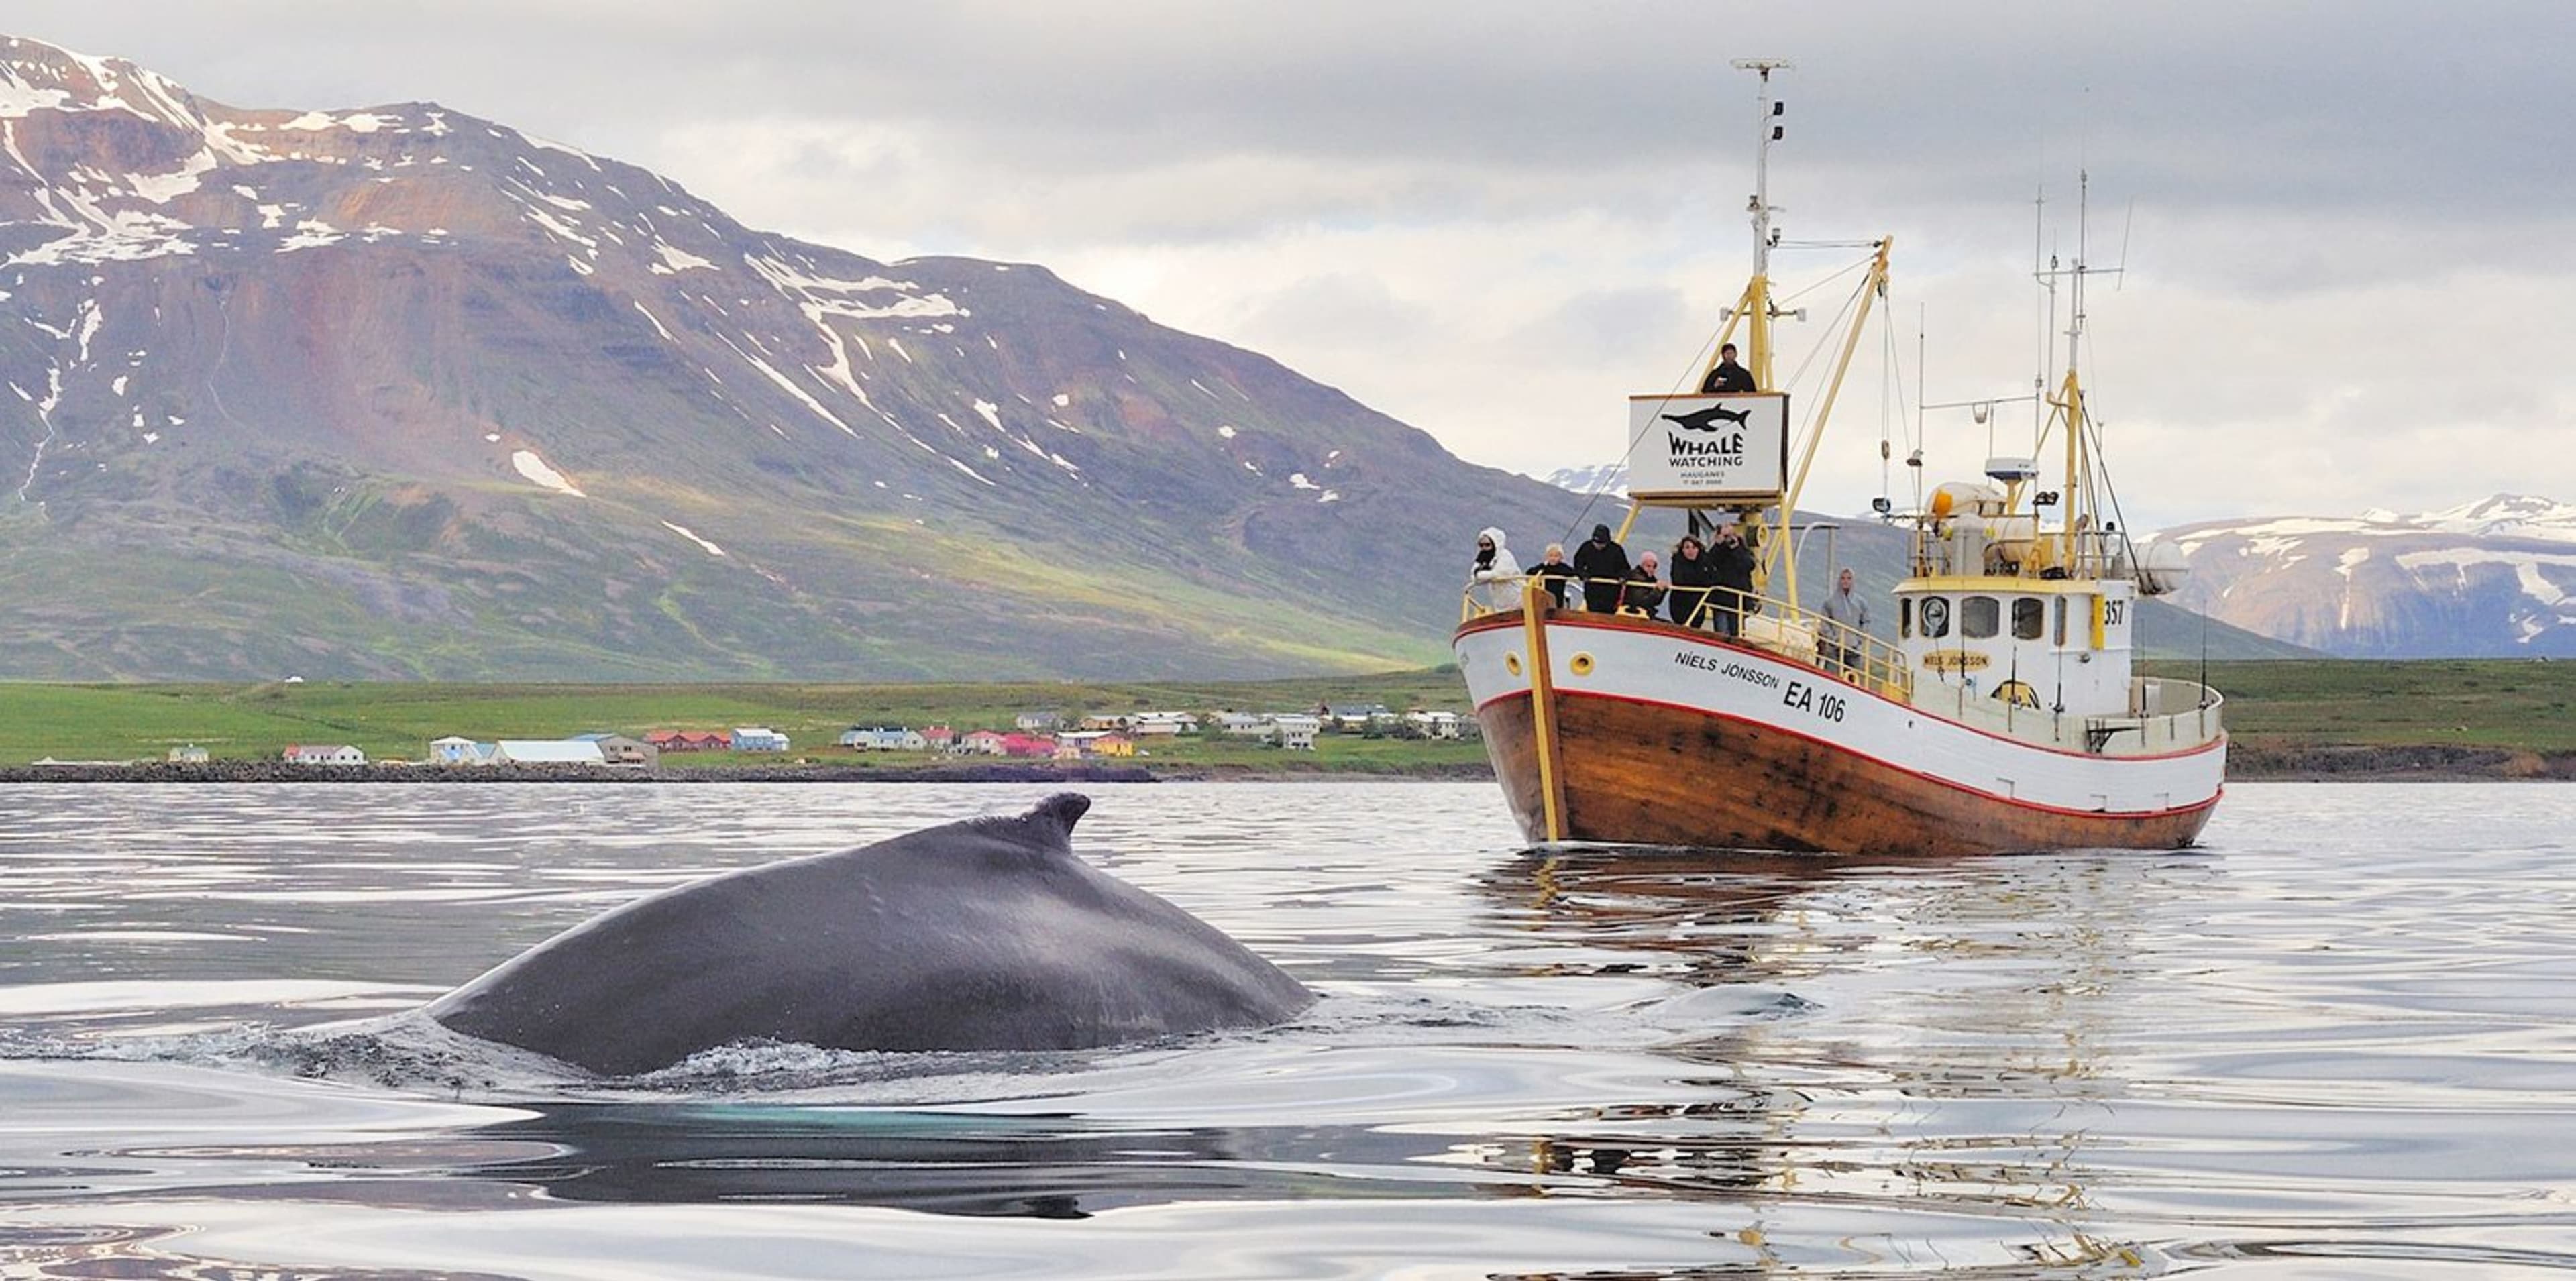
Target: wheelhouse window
2061, 622
1980, 617
2027, 613
1905, 617
1936, 617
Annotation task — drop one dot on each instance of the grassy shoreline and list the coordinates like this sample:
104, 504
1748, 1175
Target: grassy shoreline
2287, 718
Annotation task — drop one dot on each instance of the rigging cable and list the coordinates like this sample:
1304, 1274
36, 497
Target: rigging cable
1601, 486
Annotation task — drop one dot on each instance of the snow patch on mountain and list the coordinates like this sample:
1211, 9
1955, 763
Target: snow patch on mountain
675, 261
1605, 478
789, 386
312, 233
683, 531
827, 296
161, 189
534, 468
2526, 567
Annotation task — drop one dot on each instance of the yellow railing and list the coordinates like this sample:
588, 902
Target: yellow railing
1768, 623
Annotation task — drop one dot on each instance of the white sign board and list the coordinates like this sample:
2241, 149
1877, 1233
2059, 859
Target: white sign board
1733, 446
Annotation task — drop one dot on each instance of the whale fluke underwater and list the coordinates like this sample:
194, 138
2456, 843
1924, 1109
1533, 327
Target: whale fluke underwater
986, 934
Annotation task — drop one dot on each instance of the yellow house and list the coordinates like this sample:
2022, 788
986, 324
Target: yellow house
1093, 743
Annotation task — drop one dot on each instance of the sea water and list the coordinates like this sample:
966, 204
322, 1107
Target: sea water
2339, 1040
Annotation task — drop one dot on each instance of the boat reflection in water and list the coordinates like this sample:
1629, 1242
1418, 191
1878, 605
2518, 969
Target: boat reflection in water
1975, 1044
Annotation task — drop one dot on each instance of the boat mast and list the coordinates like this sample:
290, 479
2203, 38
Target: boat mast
2074, 500
1756, 306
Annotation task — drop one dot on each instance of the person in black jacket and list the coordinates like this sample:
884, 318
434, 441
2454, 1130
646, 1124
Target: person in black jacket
1553, 573
1603, 564
1732, 562
1693, 574
1644, 592
1726, 376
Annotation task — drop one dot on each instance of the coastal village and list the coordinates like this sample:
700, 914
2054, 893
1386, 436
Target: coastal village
1033, 735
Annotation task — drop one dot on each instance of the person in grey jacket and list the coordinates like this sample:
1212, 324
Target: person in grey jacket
1838, 650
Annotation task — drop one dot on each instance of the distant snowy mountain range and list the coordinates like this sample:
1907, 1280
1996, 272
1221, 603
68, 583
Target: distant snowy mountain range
2494, 578
1605, 478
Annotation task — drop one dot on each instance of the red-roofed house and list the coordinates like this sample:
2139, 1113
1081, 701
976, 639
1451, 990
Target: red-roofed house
688, 740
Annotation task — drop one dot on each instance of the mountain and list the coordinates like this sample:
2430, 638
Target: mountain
401, 392
1600, 478
2490, 579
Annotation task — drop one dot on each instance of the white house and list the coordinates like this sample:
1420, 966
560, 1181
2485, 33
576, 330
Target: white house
457, 750
1295, 731
1359, 715
753, 738
559, 751
884, 738
1434, 724
1035, 722
622, 750
1162, 724
1242, 725
188, 755
322, 754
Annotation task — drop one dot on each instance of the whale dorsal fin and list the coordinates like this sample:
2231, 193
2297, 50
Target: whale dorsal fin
1060, 811
1048, 824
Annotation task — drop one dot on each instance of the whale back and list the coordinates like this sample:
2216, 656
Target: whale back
985, 934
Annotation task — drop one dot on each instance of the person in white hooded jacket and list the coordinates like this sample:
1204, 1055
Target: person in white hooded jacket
1496, 576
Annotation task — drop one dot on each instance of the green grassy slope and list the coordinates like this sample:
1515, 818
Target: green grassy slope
2514, 704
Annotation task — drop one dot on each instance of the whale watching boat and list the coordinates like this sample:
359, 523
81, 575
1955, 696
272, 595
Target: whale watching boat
2004, 715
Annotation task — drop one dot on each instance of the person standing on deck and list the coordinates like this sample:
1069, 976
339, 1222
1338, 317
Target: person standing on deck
1554, 574
1495, 575
1838, 648
1603, 563
1726, 376
1644, 592
1732, 563
1693, 574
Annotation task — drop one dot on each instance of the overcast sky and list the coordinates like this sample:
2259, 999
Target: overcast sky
2348, 227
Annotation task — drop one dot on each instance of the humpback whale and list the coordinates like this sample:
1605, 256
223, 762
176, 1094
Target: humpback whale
985, 934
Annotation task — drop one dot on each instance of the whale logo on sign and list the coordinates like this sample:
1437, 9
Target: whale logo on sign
1707, 419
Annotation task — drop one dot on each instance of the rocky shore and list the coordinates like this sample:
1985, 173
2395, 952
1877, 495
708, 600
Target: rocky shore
2424, 763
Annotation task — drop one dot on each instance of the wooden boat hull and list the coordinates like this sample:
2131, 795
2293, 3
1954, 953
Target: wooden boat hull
1666, 737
